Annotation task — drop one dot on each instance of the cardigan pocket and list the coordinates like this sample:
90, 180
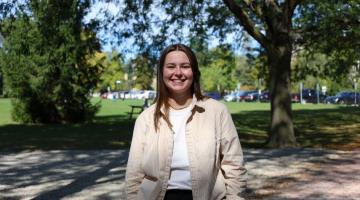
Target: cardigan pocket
219, 190
149, 188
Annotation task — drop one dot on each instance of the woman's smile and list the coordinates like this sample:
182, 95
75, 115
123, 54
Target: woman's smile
177, 73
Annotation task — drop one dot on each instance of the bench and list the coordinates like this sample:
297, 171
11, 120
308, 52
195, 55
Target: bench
135, 109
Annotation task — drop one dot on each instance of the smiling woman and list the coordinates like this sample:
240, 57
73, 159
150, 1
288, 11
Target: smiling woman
178, 75
185, 146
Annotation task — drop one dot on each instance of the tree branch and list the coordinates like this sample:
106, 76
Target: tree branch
255, 7
246, 22
288, 11
273, 6
271, 12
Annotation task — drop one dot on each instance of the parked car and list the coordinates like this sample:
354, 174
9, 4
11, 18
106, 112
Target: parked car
311, 96
351, 98
149, 94
134, 94
264, 97
252, 95
233, 96
340, 96
343, 98
247, 95
330, 99
295, 97
213, 95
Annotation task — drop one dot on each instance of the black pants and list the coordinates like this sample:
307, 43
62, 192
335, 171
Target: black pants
178, 195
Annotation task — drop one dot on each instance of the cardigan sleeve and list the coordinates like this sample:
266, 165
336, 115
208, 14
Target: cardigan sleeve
232, 163
134, 171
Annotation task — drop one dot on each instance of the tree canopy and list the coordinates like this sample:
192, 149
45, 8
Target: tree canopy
277, 25
45, 62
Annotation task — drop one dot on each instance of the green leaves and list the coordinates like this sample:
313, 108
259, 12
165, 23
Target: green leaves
218, 69
45, 63
333, 28
144, 68
113, 71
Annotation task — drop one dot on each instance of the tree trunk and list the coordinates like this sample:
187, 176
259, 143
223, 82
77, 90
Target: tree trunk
281, 133
276, 22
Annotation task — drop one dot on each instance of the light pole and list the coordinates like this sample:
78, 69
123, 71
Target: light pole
117, 84
317, 93
357, 68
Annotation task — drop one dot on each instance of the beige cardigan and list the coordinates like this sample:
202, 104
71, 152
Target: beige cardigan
215, 155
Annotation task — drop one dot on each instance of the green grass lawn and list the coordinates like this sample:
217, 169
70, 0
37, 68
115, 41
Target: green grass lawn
324, 126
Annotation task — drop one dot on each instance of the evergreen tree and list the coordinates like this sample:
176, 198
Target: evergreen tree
46, 64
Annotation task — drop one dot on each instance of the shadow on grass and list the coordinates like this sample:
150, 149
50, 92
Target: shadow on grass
329, 128
337, 128
105, 132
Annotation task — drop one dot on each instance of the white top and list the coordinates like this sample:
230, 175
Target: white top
180, 174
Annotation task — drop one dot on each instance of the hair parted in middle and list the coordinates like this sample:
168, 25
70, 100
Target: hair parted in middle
163, 92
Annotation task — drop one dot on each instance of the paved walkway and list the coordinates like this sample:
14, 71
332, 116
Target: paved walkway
273, 174
298, 174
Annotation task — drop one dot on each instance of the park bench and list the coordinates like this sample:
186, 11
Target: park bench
137, 109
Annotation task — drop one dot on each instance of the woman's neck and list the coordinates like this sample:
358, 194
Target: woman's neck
179, 101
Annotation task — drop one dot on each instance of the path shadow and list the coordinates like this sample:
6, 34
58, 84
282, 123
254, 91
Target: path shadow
59, 174
296, 173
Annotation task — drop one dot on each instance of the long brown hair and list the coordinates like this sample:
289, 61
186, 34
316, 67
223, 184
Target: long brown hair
163, 92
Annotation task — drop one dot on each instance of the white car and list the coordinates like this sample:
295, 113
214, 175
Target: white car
234, 96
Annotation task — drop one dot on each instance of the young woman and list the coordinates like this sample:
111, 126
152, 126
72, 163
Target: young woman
185, 146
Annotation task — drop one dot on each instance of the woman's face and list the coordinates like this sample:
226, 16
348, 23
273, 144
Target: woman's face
177, 73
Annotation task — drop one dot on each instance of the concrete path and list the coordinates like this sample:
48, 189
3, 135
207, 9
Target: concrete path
298, 174
284, 174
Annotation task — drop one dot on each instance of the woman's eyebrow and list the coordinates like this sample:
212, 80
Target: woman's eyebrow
184, 63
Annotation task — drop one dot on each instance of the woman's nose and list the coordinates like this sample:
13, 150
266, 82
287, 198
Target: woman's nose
178, 71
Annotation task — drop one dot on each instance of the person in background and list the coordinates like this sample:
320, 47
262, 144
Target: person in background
185, 145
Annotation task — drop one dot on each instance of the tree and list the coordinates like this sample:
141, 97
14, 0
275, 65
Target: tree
113, 70
269, 22
274, 35
278, 41
144, 67
214, 77
45, 62
341, 19
218, 69
252, 69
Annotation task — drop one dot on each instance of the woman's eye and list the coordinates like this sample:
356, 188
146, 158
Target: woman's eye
186, 66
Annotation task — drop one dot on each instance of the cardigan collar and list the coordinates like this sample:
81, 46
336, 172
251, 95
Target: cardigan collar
196, 106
